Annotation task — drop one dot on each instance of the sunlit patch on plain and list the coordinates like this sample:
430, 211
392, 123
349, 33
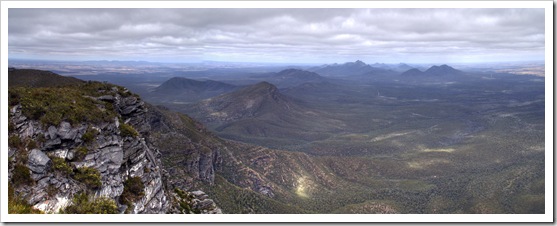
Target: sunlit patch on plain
447, 150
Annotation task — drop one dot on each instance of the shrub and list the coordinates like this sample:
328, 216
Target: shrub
81, 204
90, 135
18, 205
31, 144
89, 176
21, 175
80, 153
127, 130
15, 142
133, 191
60, 165
51, 191
13, 97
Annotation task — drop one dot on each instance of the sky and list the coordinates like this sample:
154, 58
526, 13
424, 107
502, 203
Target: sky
278, 35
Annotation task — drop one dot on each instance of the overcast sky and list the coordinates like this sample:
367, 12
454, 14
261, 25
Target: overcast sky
278, 35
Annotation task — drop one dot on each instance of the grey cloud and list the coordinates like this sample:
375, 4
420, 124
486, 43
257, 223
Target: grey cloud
307, 34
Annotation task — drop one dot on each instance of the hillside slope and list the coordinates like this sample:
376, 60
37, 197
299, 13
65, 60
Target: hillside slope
38, 78
261, 114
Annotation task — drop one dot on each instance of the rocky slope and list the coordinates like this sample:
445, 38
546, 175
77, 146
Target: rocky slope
114, 155
88, 138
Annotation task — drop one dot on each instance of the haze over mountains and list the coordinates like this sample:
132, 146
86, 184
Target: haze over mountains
290, 77
189, 90
346, 69
343, 138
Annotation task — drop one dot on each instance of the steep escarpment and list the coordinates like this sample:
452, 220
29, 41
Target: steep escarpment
187, 148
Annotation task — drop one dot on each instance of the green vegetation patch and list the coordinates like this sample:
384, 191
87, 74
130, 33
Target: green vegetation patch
234, 199
89, 135
15, 142
21, 175
89, 176
60, 165
184, 200
82, 204
127, 130
133, 191
80, 153
53, 105
17, 204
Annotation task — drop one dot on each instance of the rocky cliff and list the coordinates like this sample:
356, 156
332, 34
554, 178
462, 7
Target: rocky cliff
106, 148
92, 140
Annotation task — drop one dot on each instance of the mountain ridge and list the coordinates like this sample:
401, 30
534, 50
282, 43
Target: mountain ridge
180, 84
433, 71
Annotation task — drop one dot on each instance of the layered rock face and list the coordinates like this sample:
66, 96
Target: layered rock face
190, 154
116, 156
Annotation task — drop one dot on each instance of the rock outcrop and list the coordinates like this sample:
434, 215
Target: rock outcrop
116, 157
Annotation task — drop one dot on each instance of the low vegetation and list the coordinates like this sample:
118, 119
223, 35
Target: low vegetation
80, 153
88, 176
53, 105
73, 103
133, 191
127, 130
184, 202
17, 204
89, 136
21, 176
83, 204
61, 166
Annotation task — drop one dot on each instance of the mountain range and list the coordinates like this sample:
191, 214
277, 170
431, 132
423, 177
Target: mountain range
443, 70
315, 145
290, 77
347, 69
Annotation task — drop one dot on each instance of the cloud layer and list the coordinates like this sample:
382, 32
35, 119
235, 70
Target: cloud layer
278, 35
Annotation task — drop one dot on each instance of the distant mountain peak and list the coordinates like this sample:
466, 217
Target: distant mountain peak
255, 100
434, 70
442, 70
359, 62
